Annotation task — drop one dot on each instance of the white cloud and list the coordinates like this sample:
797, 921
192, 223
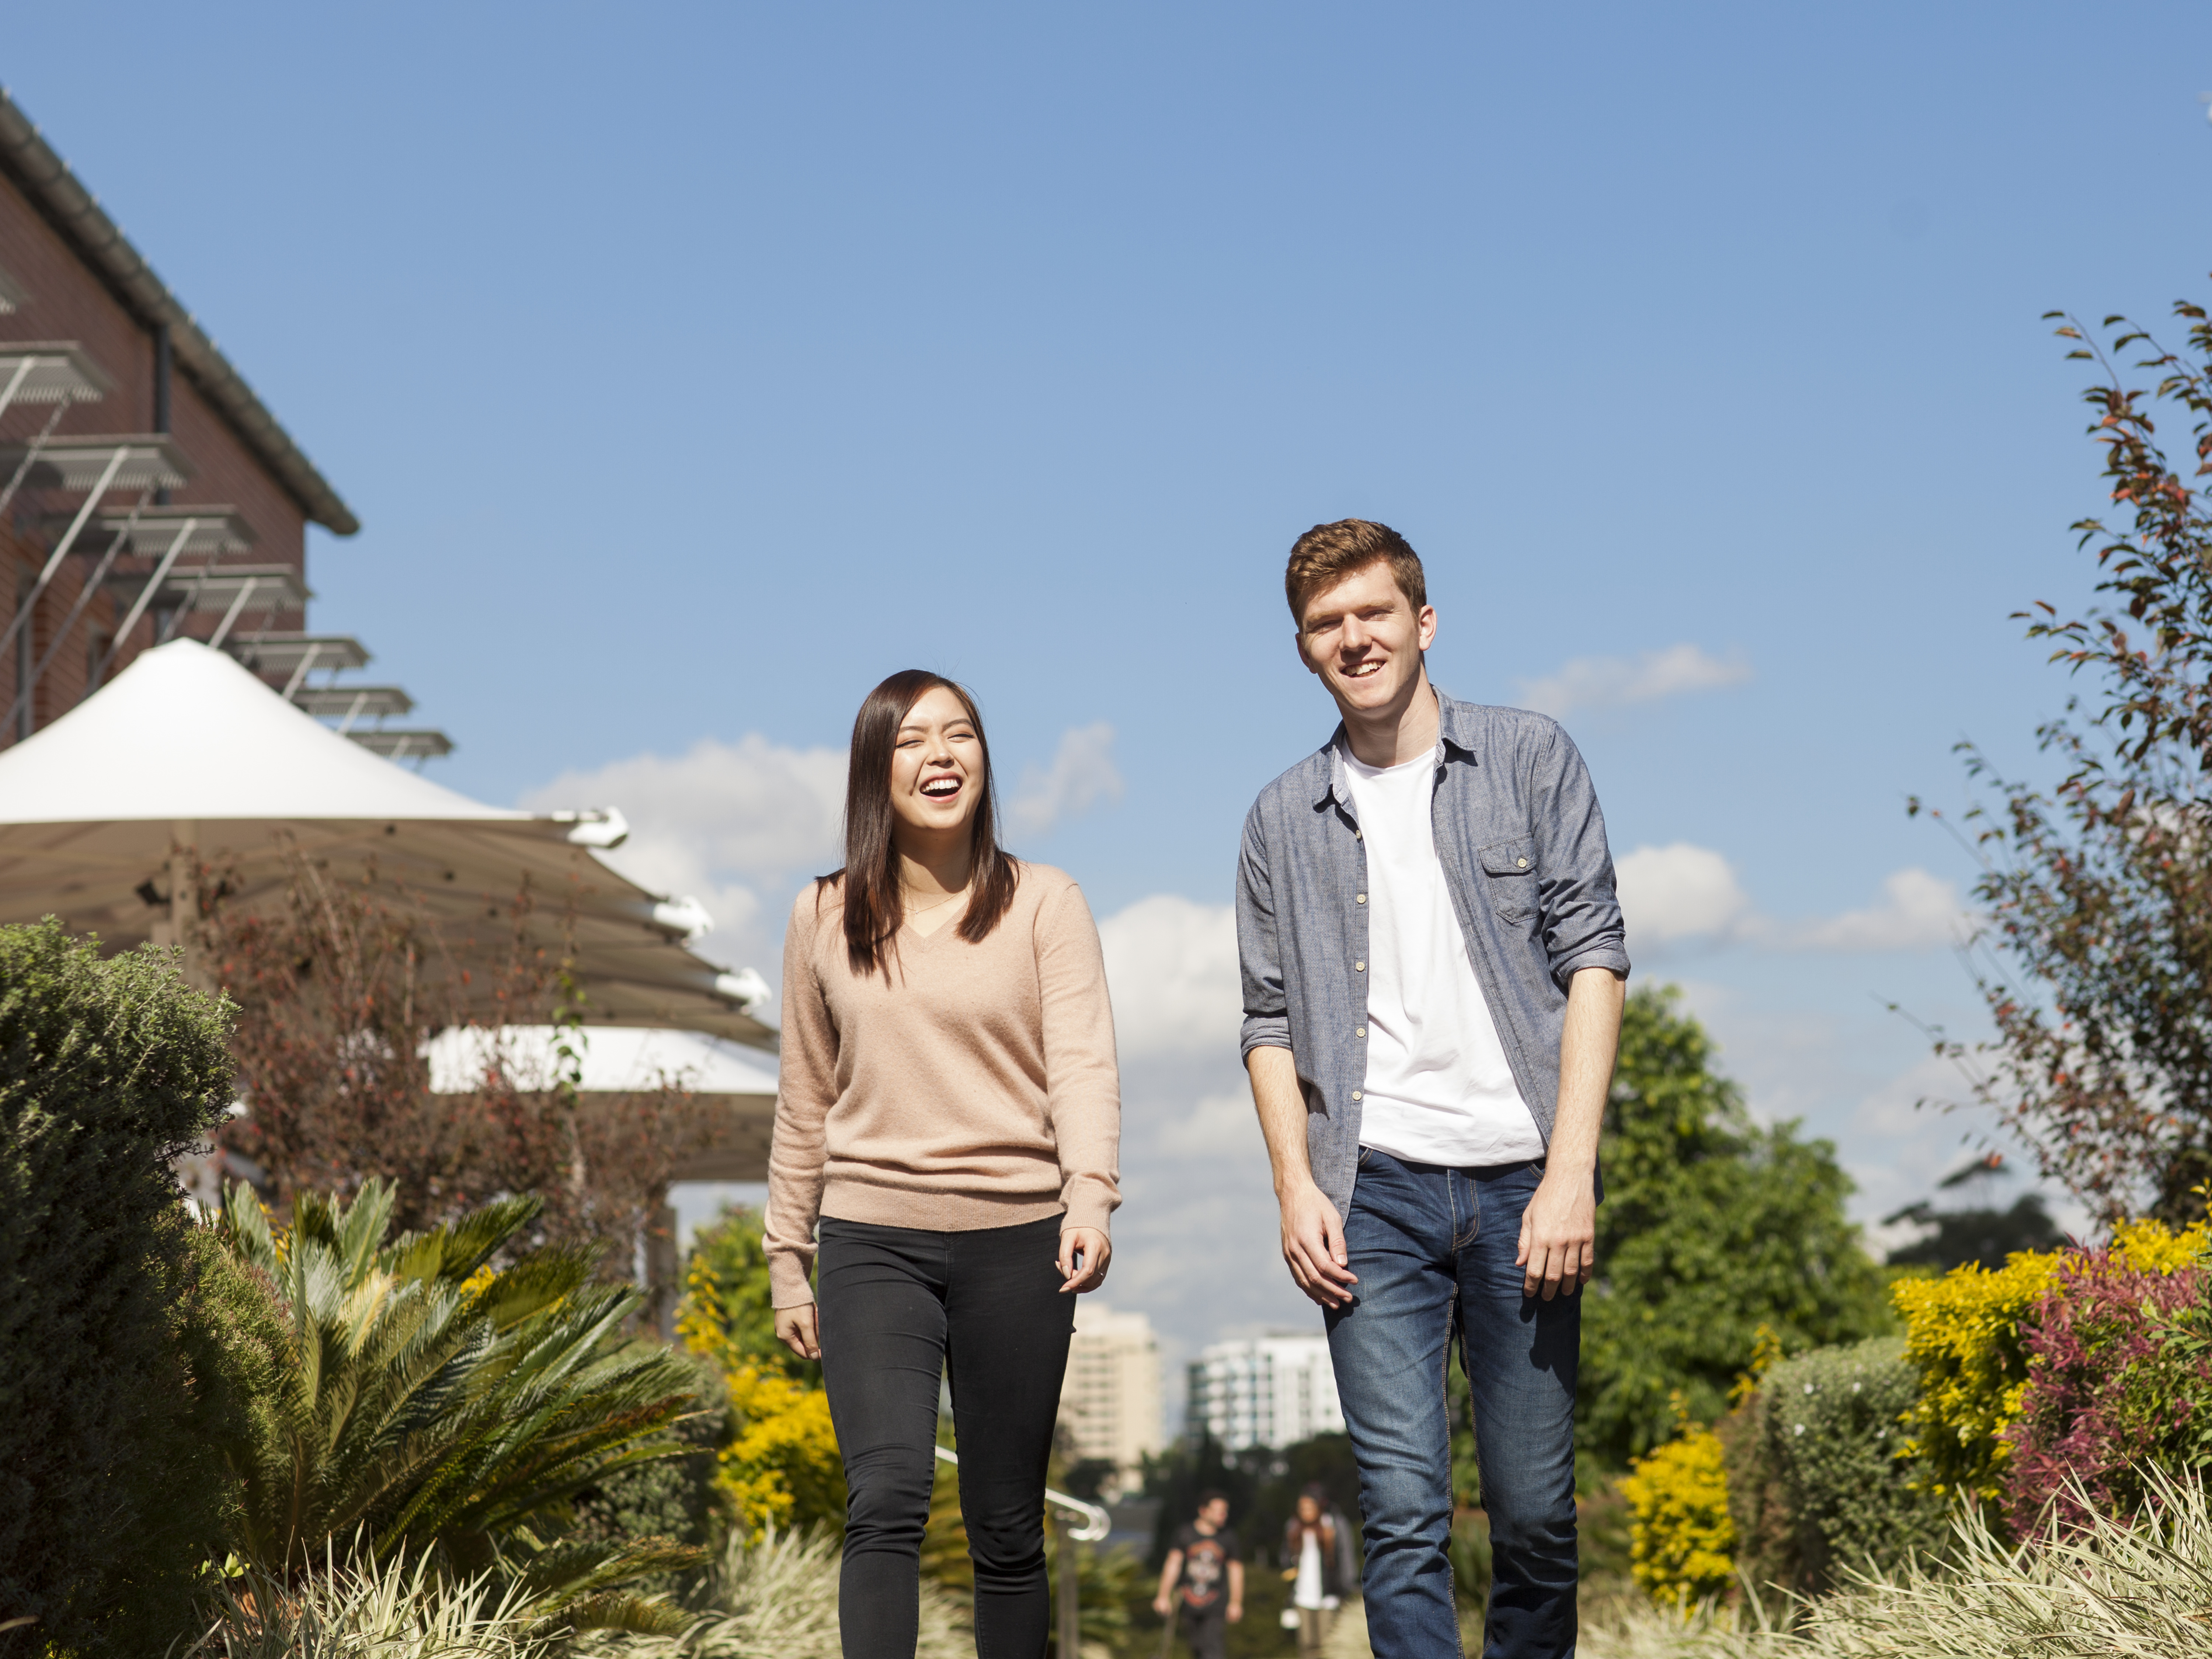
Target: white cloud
1615, 681
1670, 894
1918, 912
1082, 776
1219, 1125
1171, 967
729, 824
1679, 892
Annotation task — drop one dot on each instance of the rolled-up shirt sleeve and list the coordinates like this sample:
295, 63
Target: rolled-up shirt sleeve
1259, 946
1579, 907
806, 1089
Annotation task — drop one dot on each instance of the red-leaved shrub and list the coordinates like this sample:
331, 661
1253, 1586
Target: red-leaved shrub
2120, 1377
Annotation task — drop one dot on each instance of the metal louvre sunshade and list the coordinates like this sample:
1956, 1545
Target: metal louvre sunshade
148, 460
49, 372
355, 703
211, 532
397, 744
264, 587
286, 653
185, 747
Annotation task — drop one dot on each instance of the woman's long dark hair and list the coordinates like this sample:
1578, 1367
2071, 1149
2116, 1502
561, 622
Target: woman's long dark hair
875, 907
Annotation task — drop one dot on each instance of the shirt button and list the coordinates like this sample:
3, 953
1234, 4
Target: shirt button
1359, 1030
1355, 1094
1363, 898
1523, 863
1358, 967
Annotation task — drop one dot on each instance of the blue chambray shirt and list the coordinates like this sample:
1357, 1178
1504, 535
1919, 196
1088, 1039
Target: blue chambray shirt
1523, 845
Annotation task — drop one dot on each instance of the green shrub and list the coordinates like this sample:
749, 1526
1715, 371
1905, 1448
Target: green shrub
110, 1494
1830, 1432
423, 1394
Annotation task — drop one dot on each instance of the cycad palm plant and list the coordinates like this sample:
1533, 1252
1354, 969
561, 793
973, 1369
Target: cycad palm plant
415, 1395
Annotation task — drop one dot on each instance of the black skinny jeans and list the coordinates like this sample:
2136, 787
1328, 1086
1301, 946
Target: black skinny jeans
899, 1306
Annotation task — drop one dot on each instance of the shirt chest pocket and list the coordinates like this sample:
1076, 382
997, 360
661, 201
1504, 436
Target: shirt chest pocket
1508, 871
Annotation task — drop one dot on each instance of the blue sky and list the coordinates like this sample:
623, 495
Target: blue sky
691, 367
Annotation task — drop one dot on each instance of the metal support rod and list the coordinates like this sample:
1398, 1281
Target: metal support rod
146, 595
353, 714
1096, 1523
307, 661
15, 383
223, 632
61, 550
31, 452
85, 596
1070, 1592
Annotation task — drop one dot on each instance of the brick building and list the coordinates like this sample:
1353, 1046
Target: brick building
146, 493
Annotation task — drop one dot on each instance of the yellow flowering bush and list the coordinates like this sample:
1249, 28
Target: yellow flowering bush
1681, 1540
1964, 1333
783, 1467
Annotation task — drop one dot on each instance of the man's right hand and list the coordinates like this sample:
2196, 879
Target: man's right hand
799, 1330
1313, 1247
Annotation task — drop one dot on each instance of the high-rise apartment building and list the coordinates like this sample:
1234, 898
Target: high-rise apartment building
1272, 1390
1110, 1399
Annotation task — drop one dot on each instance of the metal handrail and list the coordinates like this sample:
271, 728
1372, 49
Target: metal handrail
1096, 1523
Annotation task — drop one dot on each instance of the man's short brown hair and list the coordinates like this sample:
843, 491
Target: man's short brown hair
1328, 553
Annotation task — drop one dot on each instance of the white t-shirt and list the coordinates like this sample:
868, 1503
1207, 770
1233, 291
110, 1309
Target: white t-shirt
1306, 1593
1439, 1089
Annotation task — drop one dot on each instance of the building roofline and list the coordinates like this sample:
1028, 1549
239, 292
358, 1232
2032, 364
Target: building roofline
74, 212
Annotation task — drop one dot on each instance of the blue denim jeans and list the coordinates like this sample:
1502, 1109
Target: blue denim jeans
1433, 1249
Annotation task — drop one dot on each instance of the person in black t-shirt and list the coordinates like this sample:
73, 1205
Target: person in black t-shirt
1211, 1595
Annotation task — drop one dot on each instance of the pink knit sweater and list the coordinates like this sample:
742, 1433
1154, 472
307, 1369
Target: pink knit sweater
974, 1088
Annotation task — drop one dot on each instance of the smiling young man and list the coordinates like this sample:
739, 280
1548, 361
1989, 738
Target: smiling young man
1433, 974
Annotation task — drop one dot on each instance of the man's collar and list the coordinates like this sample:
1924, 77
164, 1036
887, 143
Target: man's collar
1455, 730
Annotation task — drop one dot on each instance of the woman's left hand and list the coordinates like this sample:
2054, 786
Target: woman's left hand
1095, 1249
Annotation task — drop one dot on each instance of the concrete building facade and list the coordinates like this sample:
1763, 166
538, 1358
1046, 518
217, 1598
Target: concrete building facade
1109, 1400
1273, 1390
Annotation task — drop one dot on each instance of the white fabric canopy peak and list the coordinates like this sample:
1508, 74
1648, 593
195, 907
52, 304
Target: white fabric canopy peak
187, 750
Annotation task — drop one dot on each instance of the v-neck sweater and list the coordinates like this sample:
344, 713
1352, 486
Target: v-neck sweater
972, 1085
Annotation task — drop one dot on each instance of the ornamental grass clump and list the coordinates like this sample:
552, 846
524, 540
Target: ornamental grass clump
2111, 1587
776, 1598
360, 1606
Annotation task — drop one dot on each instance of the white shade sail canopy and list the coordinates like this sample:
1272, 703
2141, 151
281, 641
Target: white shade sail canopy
740, 1083
186, 748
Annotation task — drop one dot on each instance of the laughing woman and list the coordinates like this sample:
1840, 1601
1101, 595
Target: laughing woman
949, 1117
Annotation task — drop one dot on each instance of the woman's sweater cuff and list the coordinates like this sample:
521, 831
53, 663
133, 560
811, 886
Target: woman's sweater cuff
786, 1282
1088, 1210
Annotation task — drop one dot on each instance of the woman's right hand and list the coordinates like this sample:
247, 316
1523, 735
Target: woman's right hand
798, 1330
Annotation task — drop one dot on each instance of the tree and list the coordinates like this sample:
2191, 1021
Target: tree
2099, 970
340, 988
1712, 1227
111, 1494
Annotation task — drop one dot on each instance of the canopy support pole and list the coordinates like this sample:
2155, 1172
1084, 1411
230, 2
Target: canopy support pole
145, 597
223, 633
15, 383
23, 616
85, 596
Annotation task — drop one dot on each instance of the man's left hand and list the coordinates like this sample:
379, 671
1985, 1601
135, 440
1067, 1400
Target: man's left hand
1558, 1235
